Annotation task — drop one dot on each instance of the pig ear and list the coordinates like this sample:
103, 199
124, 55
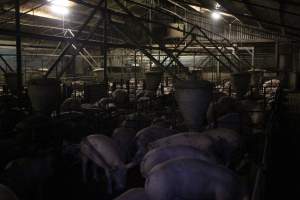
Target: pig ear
130, 165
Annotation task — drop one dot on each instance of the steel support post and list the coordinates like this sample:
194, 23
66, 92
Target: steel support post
104, 47
18, 48
277, 57
135, 75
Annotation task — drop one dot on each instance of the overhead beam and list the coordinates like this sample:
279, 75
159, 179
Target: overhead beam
263, 20
78, 50
148, 32
289, 35
12, 7
267, 7
94, 43
83, 26
252, 12
291, 2
144, 51
30, 10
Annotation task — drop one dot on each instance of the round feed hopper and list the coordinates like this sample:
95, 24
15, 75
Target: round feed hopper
44, 94
152, 80
193, 98
99, 73
240, 83
11, 80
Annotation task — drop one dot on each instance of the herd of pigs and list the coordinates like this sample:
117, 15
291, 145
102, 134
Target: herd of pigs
203, 148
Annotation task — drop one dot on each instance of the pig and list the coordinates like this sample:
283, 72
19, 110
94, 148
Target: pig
272, 83
186, 178
270, 87
6, 193
148, 135
103, 152
70, 104
228, 113
220, 142
229, 121
120, 97
222, 107
163, 154
239, 122
133, 194
227, 142
125, 140
137, 121
161, 122
194, 139
103, 103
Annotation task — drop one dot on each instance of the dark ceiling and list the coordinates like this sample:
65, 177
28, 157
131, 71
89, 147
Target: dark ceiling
281, 16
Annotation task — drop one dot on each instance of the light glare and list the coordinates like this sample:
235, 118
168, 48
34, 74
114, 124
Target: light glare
60, 10
216, 15
63, 3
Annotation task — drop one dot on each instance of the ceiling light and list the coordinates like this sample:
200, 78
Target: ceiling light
60, 6
60, 10
64, 3
216, 15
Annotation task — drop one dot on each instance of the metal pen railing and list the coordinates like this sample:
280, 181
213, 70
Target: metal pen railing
259, 184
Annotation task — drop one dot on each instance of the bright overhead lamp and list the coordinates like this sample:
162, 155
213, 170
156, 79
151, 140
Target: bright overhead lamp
64, 3
60, 10
216, 15
60, 6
